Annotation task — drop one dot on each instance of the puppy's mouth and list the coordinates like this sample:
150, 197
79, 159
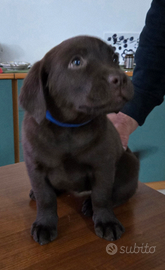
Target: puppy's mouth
106, 108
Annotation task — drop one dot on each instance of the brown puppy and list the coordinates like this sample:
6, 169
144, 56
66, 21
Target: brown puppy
68, 141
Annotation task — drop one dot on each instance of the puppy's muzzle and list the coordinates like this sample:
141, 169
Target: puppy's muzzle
121, 83
111, 84
109, 93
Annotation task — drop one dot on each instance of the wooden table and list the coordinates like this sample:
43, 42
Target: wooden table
77, 247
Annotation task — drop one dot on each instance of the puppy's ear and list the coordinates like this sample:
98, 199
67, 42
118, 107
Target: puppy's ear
32, 93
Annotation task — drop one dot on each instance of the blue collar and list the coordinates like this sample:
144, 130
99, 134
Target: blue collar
51, 119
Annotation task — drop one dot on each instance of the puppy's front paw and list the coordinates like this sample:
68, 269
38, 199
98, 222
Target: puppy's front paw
108, 228
43, 234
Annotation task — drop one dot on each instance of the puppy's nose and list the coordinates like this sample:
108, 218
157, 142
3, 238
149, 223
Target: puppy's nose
114, 80
117, 80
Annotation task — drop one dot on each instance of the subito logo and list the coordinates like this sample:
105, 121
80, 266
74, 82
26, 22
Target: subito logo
111, 249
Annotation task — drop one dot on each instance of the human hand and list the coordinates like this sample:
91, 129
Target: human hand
124, 124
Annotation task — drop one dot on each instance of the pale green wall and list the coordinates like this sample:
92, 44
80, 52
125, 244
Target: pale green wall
151, 136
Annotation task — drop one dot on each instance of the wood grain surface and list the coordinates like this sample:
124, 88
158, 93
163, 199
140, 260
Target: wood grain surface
156, 185
77, 246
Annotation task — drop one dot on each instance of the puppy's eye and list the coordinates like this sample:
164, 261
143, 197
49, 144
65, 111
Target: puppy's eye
76, 62
115, 58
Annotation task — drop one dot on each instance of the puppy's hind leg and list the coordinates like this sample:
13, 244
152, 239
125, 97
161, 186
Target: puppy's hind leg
87, 209
126, 179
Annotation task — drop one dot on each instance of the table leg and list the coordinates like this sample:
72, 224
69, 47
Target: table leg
15, 119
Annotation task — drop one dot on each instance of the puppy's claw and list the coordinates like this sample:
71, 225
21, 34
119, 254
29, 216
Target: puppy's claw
109, 231
87, 207
43, 234
31, 195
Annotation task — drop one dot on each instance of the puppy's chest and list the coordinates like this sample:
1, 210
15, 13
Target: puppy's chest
74, 140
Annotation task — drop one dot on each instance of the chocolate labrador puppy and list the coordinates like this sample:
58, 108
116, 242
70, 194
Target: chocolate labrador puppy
68, 141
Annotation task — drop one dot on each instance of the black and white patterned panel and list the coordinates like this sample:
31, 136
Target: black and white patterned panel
123, 43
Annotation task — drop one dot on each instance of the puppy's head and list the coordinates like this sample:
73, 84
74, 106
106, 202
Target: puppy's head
76, 81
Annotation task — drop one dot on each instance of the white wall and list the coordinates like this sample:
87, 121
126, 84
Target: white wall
29, 28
